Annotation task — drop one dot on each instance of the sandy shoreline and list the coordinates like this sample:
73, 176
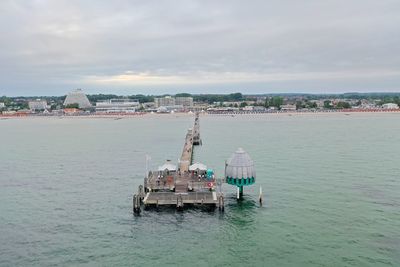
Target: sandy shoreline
177, 115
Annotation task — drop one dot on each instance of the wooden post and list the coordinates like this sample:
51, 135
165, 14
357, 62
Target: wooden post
239, 194
136, 204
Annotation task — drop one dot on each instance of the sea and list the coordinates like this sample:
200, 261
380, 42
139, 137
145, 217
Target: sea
330, 185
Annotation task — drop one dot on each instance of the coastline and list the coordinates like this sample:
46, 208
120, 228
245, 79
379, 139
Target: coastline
186, 114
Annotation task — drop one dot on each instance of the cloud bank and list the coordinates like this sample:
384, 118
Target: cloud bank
52, 46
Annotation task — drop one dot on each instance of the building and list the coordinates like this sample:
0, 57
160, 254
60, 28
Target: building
2, 105
71, 111
148, 105
200, 106
390, 106
187, 102
248, 108
37, 104
77, 97
117, 106
288, 107
259, 108
169, 109
164, 101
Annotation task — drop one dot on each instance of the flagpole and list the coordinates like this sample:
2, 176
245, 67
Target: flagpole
147, 165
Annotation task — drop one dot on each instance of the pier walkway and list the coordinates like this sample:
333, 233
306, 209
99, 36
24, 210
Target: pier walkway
187, 152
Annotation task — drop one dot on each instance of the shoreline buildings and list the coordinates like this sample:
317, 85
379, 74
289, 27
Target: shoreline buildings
390, 106
117, 106
169, 104
168, 101
186, 102
77, 97
38, 105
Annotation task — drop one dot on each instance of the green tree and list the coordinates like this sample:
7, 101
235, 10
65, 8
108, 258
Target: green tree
342, 105
299, 104
276, 101
236, 97
74, 105
183, 95
312, 104
328, 104
266, 104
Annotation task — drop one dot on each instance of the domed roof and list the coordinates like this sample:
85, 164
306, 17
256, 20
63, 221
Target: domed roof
240, 165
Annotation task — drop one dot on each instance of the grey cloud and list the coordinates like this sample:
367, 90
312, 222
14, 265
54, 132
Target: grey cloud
48, 47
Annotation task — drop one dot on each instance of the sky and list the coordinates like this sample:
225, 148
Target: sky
50, 47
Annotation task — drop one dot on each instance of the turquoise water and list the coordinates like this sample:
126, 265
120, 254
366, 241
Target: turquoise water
331, 188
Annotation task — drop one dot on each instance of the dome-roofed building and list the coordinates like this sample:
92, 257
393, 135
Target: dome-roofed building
240, 170
77, 97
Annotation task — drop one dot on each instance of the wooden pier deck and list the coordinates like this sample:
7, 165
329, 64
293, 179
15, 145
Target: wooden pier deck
196, 130
172, 198
187, 152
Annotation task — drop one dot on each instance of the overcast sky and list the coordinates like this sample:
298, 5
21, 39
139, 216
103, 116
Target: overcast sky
49, 47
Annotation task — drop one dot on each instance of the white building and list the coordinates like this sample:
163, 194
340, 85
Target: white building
164, 101
248, 108
37, 105
168, 109
390, 106
288, 107
2, 105
117, 106
184, 101
77, 97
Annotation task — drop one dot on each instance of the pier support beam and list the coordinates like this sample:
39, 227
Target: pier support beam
179, 203
239, 194
221, 203
140, 193
136, 204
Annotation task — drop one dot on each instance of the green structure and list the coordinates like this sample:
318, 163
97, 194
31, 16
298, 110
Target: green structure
240, 171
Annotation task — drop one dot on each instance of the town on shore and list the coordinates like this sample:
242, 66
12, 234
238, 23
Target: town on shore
77, 103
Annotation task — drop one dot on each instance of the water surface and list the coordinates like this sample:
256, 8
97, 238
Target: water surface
331, 189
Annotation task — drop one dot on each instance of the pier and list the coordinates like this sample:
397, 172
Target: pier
182, 185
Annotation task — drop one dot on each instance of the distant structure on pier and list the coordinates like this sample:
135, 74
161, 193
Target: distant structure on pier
77, 97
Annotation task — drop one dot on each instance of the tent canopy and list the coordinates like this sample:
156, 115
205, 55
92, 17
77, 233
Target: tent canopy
198, 166
167, 166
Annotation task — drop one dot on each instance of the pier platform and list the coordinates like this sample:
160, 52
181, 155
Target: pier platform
186, 184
